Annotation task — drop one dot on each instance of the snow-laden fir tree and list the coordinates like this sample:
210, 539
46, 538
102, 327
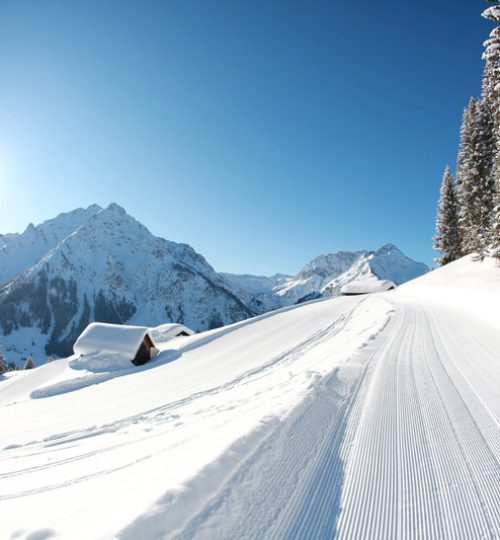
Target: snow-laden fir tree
475, 182
29, 364
463, 159
3, 364
447, 239
491, 96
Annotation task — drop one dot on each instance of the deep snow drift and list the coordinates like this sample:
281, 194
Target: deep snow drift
357, 417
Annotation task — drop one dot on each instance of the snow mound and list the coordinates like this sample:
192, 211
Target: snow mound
367, 286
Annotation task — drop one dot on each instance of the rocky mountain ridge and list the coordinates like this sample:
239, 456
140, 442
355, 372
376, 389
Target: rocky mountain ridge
109, 268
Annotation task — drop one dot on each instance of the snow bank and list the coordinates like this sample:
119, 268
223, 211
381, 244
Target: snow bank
465, 285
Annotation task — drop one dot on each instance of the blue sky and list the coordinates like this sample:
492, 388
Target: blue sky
261, 132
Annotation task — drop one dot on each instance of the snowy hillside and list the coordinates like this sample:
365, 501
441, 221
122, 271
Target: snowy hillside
465, 285
349, 418
257, 292
108, 268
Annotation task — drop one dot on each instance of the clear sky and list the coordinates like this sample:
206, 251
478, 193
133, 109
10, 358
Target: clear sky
261, 132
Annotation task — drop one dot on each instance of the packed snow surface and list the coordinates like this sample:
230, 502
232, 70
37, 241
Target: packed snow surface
355, 418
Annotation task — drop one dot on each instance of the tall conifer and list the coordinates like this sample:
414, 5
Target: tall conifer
491, 95
475, 181
447, 239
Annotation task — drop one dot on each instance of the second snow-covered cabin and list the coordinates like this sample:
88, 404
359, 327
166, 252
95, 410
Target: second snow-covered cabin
121, 342
367, 286
168, 331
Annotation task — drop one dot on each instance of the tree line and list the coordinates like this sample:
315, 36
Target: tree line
468, 218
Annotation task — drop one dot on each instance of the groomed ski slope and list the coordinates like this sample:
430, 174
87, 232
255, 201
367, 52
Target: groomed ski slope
354, 418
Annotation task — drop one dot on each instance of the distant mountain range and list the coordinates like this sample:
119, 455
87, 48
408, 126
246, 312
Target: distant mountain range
101, 264
323, 277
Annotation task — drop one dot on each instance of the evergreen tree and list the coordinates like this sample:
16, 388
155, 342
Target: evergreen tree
3, 364
491, 93
447, 239
463, 164
475, 178
29, 364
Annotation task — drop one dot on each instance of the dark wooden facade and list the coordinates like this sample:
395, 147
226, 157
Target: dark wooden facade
144, 353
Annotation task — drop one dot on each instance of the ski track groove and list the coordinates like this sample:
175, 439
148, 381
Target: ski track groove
420, 466
320, 425
482, 464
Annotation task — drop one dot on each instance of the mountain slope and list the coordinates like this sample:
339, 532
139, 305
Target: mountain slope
257, 292
18, 252
110, 268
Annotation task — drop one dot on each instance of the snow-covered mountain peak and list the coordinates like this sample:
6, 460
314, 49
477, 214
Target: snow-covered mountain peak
329, 264
114, 207
20, 251
70, 220
387, 249
326, 274
115, 218
102, 264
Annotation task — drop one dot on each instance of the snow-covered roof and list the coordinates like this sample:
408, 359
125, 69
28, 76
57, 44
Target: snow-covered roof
167, 331
367, 286
117, 339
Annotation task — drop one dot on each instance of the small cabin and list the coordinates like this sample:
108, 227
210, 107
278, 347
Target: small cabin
168, 331
367, 286
128, 343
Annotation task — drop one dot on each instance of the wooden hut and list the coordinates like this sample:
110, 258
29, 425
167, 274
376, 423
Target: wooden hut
129, 343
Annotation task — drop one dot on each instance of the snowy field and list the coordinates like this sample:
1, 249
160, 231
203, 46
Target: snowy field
368, 417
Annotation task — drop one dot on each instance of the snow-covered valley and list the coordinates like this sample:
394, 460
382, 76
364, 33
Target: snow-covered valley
353, 417
100, 264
